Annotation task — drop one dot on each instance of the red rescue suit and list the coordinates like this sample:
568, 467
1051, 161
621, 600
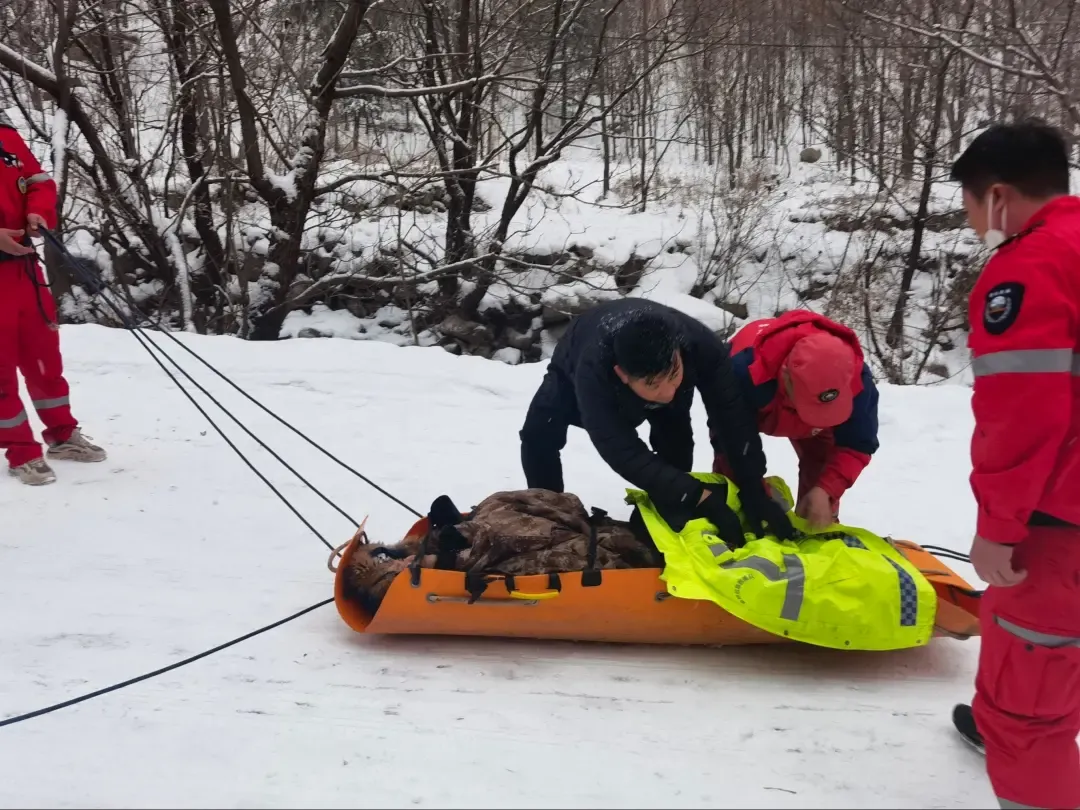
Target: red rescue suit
1025, 453
829, 458
29, 340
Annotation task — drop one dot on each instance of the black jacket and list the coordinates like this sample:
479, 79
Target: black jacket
611, 413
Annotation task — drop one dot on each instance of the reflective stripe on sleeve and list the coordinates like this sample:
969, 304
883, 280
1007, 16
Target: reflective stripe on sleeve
1027, 361
40, 177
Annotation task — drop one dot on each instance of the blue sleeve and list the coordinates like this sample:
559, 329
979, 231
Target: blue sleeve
759, 396
860, 431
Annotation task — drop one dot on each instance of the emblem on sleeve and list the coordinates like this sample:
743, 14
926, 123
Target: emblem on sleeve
1002, 307
23, 185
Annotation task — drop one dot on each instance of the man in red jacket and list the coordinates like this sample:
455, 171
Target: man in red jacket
1025, 453
806, 377
29, 337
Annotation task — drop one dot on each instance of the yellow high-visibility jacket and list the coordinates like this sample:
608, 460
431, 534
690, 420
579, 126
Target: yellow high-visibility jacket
842, 587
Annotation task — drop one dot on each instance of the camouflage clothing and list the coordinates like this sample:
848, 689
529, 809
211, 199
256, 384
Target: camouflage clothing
536, 531
520, 532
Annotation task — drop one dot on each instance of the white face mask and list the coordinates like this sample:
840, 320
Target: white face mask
994, 236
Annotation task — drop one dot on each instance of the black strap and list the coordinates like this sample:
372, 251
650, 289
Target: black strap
554, 582
450, 541
475, 584
591, 576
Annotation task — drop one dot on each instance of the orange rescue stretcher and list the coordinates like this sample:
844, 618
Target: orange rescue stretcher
630, 606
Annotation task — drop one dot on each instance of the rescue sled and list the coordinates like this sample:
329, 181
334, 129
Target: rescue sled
623, 606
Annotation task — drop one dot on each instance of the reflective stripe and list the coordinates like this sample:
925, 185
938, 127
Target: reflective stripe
718, 548
1076, 365
1026, 361
14, 422
909, 596
795, 589
909, 590
40, 177
1035, 637
45, 404
795, 575
854, 542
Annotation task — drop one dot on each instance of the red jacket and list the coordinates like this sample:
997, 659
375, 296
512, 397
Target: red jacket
24, 188
1025, 346
758, 352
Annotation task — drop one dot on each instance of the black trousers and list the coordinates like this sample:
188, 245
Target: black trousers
554, 410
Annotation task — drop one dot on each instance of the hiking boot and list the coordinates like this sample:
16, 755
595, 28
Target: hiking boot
76, 448
34, 473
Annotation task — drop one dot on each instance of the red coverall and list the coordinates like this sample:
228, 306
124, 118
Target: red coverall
1025, 452
830, 458
29, 340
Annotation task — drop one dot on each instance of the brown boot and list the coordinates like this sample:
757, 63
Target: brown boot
76, 448
34, 473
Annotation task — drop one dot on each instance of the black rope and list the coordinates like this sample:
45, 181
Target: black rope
99, 286
146, 343
941, 551
295, 430
244, 428
132, 681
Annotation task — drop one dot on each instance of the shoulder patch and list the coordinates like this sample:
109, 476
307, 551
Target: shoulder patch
5, 121
1002, 306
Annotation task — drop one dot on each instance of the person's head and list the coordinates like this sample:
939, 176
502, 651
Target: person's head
1008, 173
817, 377
647, 357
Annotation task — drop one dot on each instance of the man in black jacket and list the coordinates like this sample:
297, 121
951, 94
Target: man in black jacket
627, 361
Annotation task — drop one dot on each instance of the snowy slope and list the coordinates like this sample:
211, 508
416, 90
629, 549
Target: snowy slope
173, 546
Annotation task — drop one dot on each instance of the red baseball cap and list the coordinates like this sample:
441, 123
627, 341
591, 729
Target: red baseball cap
822, 367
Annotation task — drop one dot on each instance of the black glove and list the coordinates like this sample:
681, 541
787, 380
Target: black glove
760, 510
715, 509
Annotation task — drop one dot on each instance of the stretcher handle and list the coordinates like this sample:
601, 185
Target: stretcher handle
536, 596
524, 600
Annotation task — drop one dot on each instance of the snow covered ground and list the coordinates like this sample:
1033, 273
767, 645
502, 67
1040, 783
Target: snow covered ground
173, 546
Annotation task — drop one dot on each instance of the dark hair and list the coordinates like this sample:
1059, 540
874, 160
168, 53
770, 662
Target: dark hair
645, 346
1029, 155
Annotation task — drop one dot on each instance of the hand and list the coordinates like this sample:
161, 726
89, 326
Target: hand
764, 514
817, 508
714, 509
993, 562
9, 243
33, 222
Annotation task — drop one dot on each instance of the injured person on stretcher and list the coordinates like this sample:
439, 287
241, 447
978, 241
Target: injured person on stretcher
838, 586
520, 532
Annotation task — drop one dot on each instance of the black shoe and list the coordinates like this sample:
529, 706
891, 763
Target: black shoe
964, 720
